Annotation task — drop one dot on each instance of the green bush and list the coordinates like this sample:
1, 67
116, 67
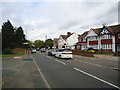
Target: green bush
7, 51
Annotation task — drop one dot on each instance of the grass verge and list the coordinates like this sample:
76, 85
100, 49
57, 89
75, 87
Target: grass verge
9, 55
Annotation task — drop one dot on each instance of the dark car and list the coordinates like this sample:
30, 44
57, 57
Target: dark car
51, 52
90, 49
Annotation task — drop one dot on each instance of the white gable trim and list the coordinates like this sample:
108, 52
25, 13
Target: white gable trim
104, 31
91, 33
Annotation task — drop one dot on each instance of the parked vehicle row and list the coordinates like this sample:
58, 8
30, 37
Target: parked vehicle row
61, 53
34, 50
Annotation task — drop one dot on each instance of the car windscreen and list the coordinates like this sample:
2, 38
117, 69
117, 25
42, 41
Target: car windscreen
67, 51
90, 49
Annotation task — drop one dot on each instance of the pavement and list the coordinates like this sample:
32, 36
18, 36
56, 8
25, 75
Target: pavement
107, 61
20, 72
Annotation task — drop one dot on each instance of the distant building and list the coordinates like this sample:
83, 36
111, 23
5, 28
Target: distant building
55, 43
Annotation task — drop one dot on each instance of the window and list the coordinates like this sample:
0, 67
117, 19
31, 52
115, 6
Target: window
106, 36
94, 46
106, 46
92, 38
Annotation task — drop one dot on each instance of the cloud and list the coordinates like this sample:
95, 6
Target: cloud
54, 18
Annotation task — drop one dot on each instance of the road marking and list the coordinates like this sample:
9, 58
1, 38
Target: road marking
60, 62
96, 64
97, 78
44, 79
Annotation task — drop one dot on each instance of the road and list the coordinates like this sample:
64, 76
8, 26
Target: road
74, 73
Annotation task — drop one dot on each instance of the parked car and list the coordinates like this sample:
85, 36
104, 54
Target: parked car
42, 49
90, 49
64, 53
37, 49
33, 50
51, 52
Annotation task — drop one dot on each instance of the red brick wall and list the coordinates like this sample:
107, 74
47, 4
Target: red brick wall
106, 41
93, 42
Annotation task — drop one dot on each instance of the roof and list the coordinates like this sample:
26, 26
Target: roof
97, 30
84, 34
114, 29
66, 36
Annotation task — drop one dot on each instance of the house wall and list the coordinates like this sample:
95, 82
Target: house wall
91, 33
118, 47
71, 40
93, 42
117, 39
61, 42
108, 41
113, 44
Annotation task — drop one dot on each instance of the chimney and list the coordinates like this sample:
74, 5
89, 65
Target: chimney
68, 33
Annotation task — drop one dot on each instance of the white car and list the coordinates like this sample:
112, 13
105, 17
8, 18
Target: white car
33, 51
64, 53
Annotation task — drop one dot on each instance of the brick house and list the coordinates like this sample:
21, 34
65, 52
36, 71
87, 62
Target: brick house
106, 39
93, 38
82, 41
110, 38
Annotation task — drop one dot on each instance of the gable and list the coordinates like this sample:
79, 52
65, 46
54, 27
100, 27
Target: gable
104, 31
91, 33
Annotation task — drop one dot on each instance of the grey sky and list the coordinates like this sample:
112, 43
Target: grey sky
54, 18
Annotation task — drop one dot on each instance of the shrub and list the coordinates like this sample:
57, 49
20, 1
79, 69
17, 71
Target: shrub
19, 50
7, 51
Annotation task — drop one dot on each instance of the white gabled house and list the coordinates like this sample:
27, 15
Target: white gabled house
62, 41
71, 40
67, 41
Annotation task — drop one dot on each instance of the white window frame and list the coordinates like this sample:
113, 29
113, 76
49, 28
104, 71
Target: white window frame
106, 36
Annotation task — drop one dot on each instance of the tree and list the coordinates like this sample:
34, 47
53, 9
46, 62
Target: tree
7, 35
29, 43
49, 43
39, 44
19, 37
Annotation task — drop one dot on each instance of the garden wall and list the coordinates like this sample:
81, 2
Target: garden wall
82, 53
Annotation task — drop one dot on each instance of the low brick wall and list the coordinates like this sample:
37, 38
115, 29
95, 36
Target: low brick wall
117, 53
106, 51
82, 53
